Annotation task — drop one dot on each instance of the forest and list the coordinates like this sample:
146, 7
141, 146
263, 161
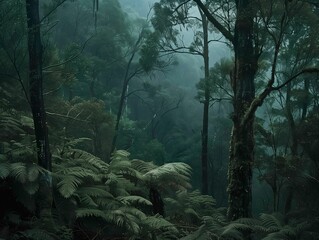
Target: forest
159, 119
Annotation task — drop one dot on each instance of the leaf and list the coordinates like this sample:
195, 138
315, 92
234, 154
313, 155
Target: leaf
128, 200
68, 185
19, 172
4, 170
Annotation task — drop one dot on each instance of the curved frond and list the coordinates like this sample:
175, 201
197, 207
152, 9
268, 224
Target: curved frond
68, 185
129, 200
4, 170
19, 172
270, 221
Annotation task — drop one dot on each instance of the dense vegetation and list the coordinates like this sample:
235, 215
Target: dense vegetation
114, 112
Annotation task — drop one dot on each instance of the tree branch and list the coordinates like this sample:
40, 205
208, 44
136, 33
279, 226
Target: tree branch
258, 101
215, 22
71, 58
52, 10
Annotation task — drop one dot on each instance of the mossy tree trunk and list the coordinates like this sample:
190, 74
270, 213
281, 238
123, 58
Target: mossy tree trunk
242, 139
35, 49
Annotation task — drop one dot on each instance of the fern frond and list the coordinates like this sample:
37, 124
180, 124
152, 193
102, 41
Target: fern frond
143, 166
89, 212
201, 234
270, 221
33, 171
95, 191
231, 232
157, 222
68, 185
121, 154
78, 172
4, 170
19, 172
87, 201
176, 175
129, 200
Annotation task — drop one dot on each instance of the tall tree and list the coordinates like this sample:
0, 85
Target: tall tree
35, 49
247, 52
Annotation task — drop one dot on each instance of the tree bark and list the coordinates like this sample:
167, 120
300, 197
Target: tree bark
242, 139
44, 196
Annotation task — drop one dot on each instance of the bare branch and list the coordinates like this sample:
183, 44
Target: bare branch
215, 22
258, 101
305, 70
52, 10
66, 116
71, 58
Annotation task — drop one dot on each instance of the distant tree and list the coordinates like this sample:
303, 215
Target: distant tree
168, 15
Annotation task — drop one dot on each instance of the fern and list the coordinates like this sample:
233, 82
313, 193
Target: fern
68, 185
4, 170
174, 175
136, 200
35, 234
19, 172
86, 212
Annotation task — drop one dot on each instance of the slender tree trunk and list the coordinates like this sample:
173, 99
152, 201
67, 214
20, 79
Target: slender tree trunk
242, 139
293, 144
119, 114
126, 80
44, 196
204, 156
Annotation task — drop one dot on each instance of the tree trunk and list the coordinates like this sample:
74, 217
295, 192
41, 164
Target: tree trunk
204, 156
44, 196
242, 139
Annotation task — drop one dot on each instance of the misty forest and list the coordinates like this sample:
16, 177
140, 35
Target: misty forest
159, 119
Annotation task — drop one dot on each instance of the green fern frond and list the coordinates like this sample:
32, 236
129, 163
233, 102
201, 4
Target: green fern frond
121, 154
10, 125
249, 221
19, 172
143, 166
201, 234
231, 232
68, 185
78, 172
89, 212
4, 170
129, 200
176, 175
74, 142
33, 171
134, 212
119, 164
95, 191
157, 222
270, 221
89, 158
87, 201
